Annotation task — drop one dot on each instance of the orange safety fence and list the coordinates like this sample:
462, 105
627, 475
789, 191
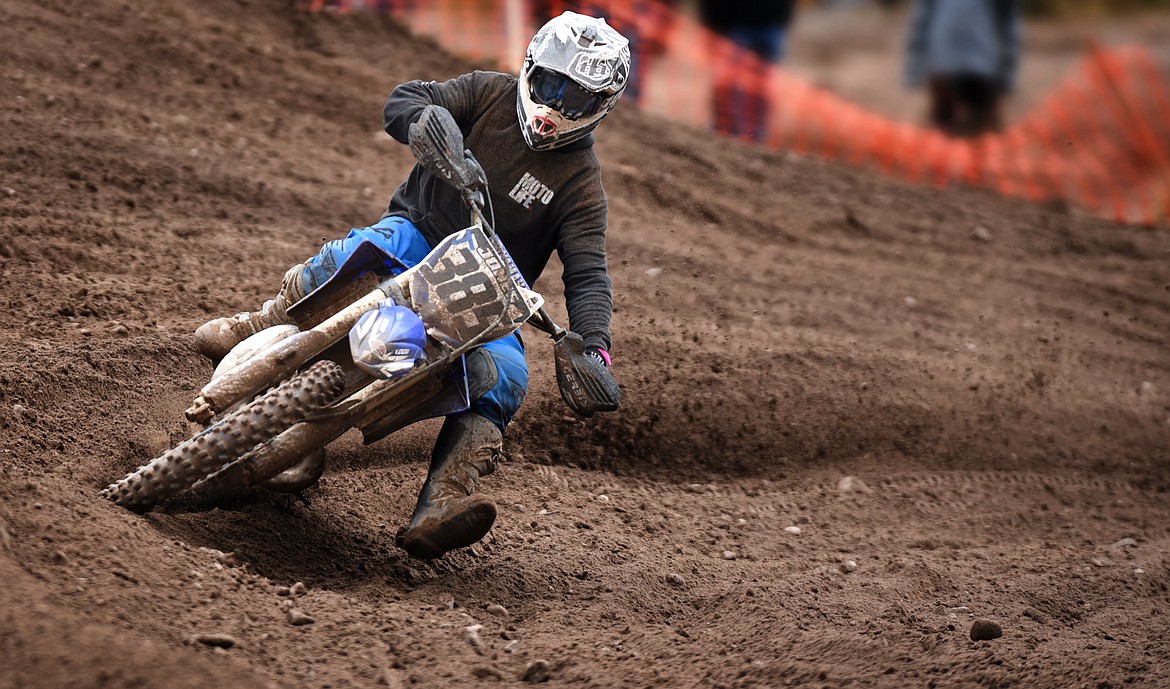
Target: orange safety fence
1100, 139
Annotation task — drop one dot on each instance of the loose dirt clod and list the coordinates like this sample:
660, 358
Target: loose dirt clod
298, 618
985, 630
536, 671
215, 639
471, 634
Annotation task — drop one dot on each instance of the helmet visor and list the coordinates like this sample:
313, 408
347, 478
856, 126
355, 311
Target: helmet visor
561, 93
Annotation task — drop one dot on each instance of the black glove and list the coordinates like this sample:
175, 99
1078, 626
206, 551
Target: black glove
583, 376
437, 145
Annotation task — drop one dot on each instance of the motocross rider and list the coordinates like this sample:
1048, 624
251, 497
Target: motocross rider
545, 186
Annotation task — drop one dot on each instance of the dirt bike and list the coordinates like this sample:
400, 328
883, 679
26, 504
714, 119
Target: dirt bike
282, 395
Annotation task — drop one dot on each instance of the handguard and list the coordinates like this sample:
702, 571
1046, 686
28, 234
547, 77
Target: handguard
437, 144
586, 384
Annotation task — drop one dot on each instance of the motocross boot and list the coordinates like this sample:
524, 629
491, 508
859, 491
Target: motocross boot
215, 339
447, 515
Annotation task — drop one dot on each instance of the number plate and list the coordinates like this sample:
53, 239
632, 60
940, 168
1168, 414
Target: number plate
464, 289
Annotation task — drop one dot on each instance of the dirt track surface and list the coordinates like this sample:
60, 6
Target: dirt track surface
961, 402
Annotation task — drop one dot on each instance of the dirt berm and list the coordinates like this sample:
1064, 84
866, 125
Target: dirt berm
858, 415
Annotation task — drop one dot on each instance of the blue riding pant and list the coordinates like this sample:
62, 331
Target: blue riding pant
400, 238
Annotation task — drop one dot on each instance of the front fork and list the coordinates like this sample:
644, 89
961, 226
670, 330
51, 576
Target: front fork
288, 355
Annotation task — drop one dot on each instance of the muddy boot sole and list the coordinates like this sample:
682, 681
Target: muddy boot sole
215, 339
464, 524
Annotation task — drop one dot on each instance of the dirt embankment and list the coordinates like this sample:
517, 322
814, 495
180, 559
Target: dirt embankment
992, 375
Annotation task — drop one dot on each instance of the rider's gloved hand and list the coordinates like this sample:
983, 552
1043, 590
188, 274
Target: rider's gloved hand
436, 141
437, 144
583, 376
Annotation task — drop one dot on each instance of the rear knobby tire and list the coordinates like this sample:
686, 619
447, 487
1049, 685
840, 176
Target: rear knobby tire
230, 438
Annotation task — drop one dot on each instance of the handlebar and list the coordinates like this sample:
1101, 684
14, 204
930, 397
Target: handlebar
437, 144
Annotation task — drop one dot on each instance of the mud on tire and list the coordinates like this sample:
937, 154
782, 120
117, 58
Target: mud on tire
228, 439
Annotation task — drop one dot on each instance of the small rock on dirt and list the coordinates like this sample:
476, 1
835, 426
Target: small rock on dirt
497, 610
536, 671
794, 530
297, 617
852, 484
484, 672
215, 640
471, 634
985, 630
675, 579
297, 589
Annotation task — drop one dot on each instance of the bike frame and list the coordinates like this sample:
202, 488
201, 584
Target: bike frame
454, 289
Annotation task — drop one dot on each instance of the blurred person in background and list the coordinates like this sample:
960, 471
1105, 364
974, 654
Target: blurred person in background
760, 28
966, 52
533, 136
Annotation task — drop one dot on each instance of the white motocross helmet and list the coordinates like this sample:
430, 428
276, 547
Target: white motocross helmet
574, 72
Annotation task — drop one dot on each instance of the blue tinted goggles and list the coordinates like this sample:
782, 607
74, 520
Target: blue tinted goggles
563, 94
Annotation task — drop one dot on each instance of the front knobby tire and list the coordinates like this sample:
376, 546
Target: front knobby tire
230, 438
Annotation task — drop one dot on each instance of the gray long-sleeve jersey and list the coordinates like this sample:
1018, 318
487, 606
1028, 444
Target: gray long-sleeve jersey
543, 200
